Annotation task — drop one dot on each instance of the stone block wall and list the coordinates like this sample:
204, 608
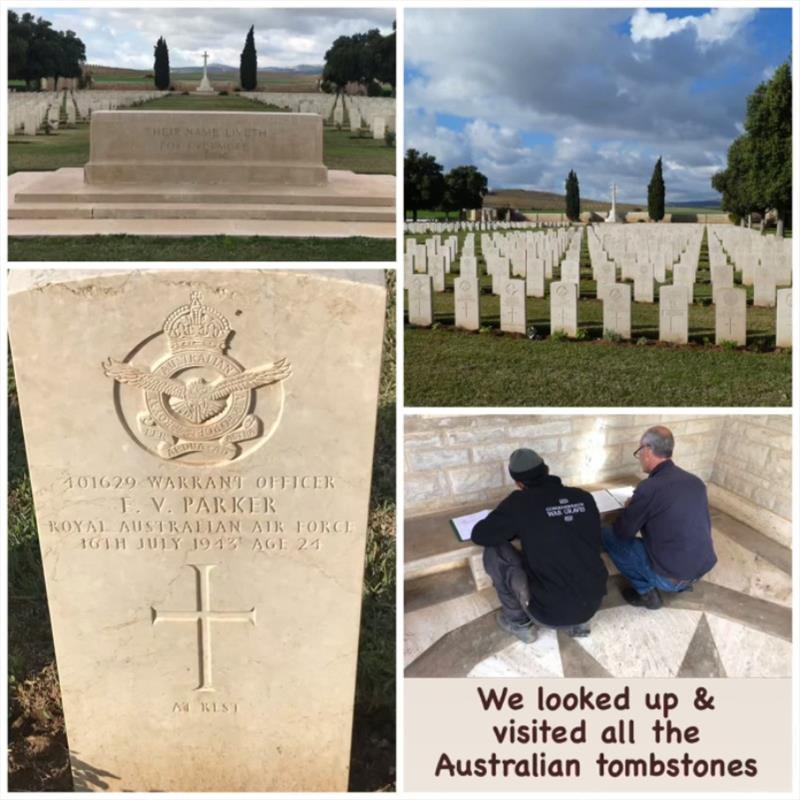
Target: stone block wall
754, 461
455, 460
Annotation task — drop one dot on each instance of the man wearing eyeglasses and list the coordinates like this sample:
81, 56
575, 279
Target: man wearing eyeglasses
670, 508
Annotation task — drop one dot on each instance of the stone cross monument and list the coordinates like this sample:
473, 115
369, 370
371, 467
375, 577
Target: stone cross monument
612, 215
205, 86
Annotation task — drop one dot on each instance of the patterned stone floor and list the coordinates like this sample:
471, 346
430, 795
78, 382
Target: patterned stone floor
736, 623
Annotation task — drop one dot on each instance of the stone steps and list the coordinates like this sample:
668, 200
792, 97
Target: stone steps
195, 198
205, 210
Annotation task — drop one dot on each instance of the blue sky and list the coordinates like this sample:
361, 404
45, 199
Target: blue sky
528, 94
125, 37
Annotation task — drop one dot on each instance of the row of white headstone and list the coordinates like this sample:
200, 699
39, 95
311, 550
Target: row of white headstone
435, 227
519, 266
31, 112
375, 113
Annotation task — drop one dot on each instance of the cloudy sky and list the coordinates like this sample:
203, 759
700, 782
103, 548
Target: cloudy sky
125, 37
528, 94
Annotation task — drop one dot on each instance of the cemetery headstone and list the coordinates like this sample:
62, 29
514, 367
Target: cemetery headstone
731, 315
200, 450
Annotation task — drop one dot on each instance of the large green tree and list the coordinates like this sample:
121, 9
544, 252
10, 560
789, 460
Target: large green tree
758, 174
248, 63
361, 58
655, 194
423, 182
36, 50
573, 197
464, 188
161, 65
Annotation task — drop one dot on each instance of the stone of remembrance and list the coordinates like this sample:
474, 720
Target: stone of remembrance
200, 449
225, 170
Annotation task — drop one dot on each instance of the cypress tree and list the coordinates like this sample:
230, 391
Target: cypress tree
655, 194
161, 65
573, 197
248, 63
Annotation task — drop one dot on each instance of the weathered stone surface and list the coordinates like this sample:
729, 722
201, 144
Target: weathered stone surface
200, 448
467, 303
673, 312
783, 319
564, 308
205, 147
512, 306
617, 310
731, 315
420, 300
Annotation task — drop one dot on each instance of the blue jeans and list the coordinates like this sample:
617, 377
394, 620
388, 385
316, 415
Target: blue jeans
631, 559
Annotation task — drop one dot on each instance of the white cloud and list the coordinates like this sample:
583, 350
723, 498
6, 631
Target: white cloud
716, 25
574, 76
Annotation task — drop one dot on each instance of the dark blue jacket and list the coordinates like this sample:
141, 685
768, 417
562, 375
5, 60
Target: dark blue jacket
670, 508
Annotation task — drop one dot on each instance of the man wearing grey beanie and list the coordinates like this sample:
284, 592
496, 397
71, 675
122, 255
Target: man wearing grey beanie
559, 578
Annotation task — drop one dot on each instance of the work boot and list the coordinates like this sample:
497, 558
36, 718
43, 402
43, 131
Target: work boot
650, 600
525, 632
579, 631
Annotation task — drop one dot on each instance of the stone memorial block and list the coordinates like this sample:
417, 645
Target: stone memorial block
512, 307
436, 268
570, 272
731, 315
764, 287
467, 303
673, 314
605, 274
468, 265
205, 147
643, 282
534, 279
420, 300
518, 264
783, 319
564, 307
721, 278
500, 275
617, 310
684, 275
200, 448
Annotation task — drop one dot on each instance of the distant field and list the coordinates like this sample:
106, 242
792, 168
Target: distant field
268, 80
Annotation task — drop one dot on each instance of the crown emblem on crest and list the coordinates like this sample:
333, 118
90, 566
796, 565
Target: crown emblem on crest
196, 327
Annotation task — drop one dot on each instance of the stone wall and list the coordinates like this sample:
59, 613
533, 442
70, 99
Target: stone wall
454, 460
754, 461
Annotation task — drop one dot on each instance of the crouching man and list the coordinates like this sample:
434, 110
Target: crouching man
559, 579
670, 508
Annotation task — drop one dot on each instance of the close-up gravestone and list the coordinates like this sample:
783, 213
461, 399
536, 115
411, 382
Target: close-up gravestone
200, 448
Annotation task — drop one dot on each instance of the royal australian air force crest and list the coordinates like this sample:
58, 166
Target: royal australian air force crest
195, 402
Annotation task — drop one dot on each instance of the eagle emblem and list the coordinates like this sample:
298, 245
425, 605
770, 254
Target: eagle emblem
198, 398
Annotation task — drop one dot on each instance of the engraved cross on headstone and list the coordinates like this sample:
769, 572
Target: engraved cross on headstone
204, 616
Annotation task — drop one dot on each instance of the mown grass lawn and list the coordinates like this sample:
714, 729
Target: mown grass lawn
198, 248
448, 367
38, 755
